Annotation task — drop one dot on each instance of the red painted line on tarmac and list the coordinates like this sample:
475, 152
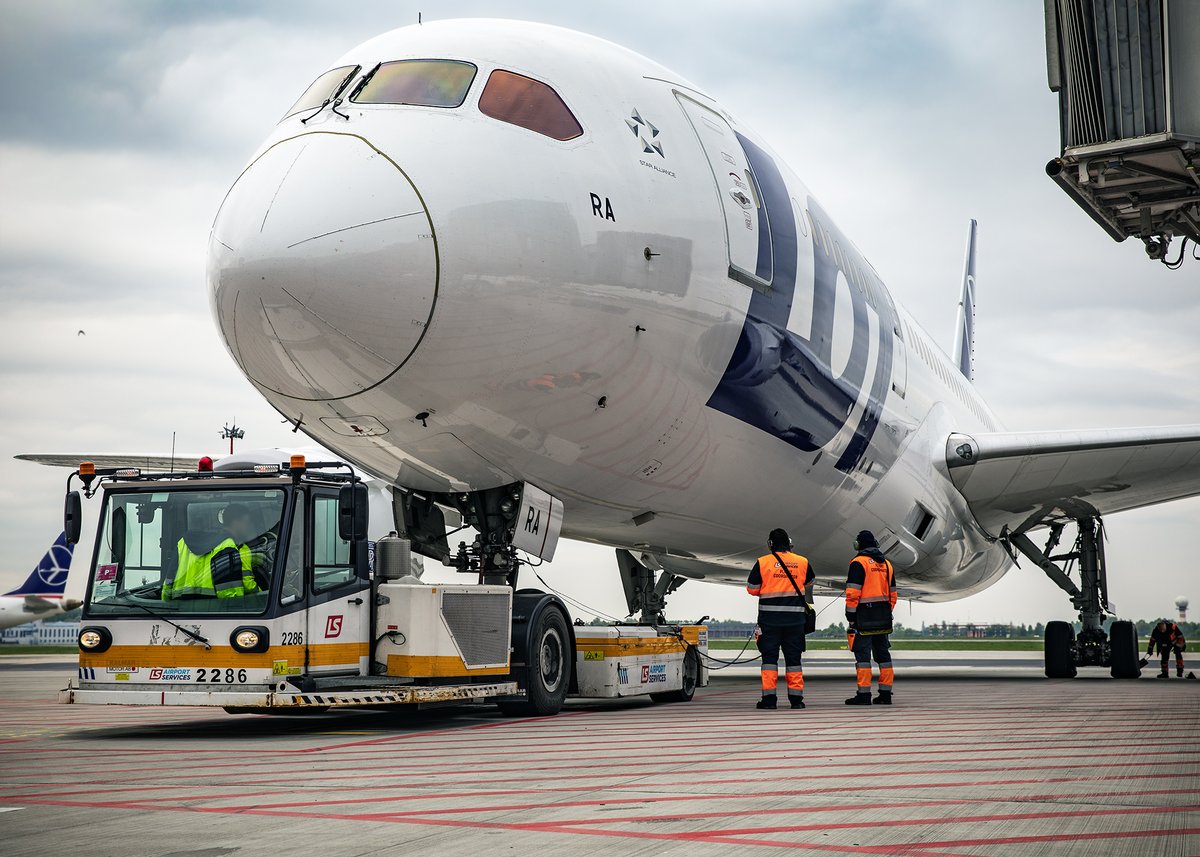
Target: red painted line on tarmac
648, 798
1062, 837
963, 819
459, 745
907, 850
944, 754
391, 739
695, 816
627, 768
76, 787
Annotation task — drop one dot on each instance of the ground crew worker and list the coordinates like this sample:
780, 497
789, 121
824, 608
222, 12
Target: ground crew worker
870, 599
242, 530
212, 566
779, 579
1169, 638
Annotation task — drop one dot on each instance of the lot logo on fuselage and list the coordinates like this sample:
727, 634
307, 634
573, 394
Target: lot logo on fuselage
782, 381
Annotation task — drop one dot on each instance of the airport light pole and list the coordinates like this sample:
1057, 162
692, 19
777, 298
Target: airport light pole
232, 433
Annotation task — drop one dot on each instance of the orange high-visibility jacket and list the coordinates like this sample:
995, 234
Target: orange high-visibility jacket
778, 601
870, 584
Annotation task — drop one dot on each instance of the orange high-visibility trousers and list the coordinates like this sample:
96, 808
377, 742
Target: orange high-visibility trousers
864, 646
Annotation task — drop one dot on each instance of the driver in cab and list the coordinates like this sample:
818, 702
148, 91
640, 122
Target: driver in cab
220, 564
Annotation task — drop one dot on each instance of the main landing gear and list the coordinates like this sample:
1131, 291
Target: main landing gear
1066, 651
643, 594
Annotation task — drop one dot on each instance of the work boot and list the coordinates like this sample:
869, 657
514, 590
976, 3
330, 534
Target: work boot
768, 702
860, 699
796, 701
1164, 674
1179, 672
884, 698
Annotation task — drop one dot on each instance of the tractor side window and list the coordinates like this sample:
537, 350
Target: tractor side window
523, 101
331, 554
130, 552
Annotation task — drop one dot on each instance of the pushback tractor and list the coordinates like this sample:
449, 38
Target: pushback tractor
268, 586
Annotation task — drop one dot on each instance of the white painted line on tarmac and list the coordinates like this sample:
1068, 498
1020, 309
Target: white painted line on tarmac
10, 808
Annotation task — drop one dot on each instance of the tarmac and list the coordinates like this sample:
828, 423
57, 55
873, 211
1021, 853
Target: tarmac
980, 756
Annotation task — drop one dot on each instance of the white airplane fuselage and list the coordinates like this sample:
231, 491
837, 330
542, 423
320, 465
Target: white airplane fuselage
654, 316
19, 609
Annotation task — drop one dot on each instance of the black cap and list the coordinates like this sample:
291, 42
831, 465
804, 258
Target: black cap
865, 539
779, 539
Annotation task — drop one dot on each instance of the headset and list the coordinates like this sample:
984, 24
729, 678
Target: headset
771, 543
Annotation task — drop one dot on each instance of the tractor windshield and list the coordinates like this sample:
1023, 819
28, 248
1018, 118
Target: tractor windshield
186, 551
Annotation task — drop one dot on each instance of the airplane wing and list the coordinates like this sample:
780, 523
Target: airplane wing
1021, 480
154, 463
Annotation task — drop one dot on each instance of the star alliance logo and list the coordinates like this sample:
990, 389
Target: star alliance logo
646, 133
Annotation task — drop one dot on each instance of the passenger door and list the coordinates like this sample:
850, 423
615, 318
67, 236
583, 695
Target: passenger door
745, 217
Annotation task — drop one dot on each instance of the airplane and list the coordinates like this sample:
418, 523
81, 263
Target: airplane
41, 595
481, 256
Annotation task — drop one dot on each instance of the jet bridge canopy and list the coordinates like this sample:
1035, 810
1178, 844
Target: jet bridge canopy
1127, 74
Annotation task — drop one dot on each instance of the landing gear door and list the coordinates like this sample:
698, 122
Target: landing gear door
339, 593
539, 522
748, 237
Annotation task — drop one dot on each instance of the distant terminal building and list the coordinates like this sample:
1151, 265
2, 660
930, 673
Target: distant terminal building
40, 634
967, 631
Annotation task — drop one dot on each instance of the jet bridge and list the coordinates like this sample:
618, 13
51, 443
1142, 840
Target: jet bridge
1127, 74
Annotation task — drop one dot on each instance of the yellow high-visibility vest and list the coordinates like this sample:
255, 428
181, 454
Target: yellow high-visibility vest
194, 575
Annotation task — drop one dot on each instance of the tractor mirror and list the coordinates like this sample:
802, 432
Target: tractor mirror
352, 512
72, 517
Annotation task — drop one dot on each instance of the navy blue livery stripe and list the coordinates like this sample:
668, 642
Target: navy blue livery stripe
779, 381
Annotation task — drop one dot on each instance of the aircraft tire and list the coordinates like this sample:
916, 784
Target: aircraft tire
548, 674
691, 677
1123, 645
1059, 663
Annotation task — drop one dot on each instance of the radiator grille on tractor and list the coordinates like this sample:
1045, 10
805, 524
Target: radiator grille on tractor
479, 623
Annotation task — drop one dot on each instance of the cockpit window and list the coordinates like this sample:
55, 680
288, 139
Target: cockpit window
323, 89
425, 83
529, 103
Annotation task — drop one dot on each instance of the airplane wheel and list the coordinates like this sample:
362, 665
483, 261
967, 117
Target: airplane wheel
1124, 649
548, 674
1060, 637
691, 677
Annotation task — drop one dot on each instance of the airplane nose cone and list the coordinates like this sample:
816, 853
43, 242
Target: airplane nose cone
322, 267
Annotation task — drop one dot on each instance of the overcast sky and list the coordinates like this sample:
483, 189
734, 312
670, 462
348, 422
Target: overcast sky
125, 123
